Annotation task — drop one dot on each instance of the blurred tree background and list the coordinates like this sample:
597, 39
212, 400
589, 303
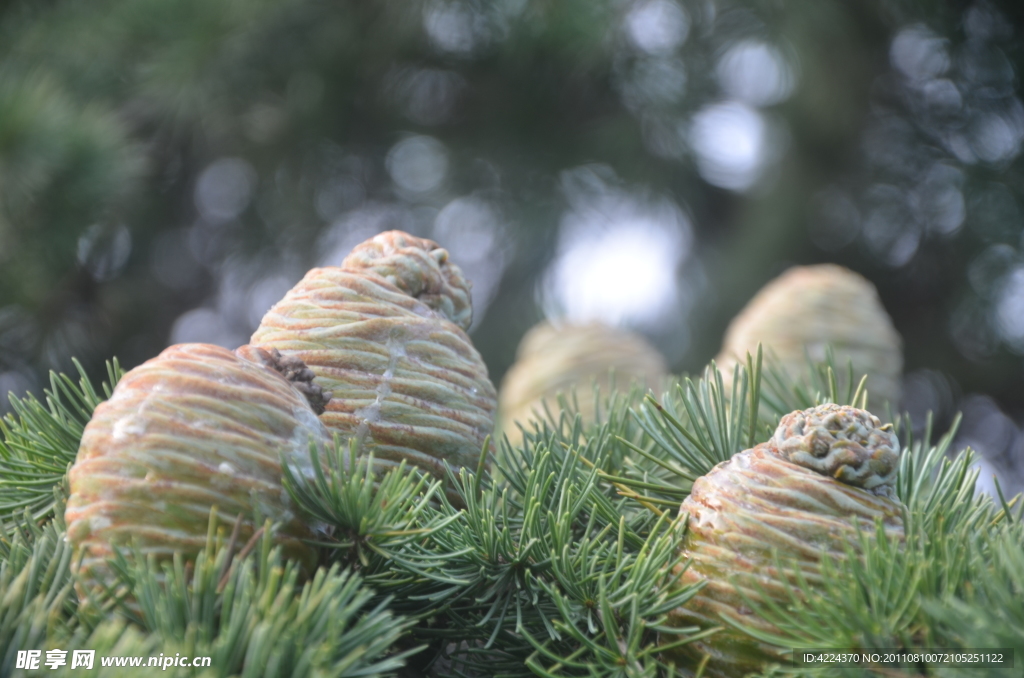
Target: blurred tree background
170, 168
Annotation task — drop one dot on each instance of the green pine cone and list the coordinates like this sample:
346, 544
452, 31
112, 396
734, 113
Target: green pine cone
557, 360
808, 308
827, 472
196, 427
385, 333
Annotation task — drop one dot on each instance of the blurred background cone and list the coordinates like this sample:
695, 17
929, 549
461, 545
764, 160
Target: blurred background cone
386, 333
567, 359
809, 308
196, 427
824, 477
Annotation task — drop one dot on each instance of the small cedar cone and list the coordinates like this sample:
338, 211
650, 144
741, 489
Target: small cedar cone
554, 360
196, 427
827, 472
808, 307
385, 333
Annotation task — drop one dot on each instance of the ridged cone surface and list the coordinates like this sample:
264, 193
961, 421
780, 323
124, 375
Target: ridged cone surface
554, 360
196, 427
384, 332
775, 496
809, 307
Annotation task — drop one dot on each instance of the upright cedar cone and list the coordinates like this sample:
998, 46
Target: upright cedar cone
196, 427
827, 472
554, 360
385, 332
808, 307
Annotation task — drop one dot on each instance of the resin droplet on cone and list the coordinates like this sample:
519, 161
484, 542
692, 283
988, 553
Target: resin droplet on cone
554, 360
808, 307
827, 472
196, 427
385, 333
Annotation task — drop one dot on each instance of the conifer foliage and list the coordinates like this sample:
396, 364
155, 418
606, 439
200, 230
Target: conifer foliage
563, 559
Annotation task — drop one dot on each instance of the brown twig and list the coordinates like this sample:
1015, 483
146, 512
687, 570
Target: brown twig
249, 546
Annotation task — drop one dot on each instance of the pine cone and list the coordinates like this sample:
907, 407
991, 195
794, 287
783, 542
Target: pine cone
827, 472
808, 307
196, 427
385, 333
553, 360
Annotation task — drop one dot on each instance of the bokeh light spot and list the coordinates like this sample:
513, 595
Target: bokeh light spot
455, 27
891, 232
1010, 309
224, 189
919, 54
618, 256
756, 73
418, 164
657, 26
470, 228
729, 139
